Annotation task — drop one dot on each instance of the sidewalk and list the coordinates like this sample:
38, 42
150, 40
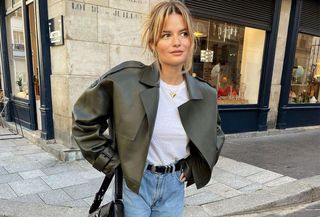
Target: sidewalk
35, 184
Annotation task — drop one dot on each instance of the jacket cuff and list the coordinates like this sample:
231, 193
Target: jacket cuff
103, 159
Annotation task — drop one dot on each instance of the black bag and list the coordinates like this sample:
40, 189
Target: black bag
114, 208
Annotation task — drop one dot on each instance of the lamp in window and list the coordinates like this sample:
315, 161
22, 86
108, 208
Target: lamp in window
206, 56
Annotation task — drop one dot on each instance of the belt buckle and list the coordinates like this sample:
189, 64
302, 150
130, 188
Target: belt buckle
153, 168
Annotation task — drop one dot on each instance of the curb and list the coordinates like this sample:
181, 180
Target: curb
299, 191
271, 132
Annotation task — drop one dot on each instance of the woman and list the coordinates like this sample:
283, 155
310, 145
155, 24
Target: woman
165, 123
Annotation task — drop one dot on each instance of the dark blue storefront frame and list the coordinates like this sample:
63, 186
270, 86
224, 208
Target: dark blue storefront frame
21, 110
253, 117
294, 115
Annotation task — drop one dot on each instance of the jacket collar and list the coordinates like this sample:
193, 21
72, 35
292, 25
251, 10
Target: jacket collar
151, 76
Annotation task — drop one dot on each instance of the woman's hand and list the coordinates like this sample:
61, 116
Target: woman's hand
183, 178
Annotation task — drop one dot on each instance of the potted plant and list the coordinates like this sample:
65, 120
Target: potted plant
19, 83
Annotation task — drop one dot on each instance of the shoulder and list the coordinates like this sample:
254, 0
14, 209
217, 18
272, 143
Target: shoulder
128, 67
136, 65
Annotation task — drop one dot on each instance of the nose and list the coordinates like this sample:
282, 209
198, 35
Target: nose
176, 41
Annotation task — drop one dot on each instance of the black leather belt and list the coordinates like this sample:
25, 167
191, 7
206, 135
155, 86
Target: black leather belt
164, 169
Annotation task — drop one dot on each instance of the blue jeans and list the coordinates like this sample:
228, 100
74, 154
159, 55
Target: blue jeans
160, 195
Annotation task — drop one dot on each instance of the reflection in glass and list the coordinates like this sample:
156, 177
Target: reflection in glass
235, 69
306, 70
17, 54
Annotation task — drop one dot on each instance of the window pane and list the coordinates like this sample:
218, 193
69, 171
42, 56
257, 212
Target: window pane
233, 62
17, 54
306, 71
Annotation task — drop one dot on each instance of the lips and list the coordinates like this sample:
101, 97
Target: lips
177, 52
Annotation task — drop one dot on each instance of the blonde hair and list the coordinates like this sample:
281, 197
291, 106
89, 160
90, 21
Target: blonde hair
155, 23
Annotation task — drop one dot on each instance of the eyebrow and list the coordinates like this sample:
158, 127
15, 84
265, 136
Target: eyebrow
167, 31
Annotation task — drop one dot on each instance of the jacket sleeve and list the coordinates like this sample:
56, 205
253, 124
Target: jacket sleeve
91, 114
220, 136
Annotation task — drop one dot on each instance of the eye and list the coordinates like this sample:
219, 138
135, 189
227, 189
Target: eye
184, 34
165, 35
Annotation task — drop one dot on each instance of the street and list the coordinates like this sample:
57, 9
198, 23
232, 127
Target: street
292, 154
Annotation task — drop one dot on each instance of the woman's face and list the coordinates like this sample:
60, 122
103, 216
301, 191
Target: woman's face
174, 44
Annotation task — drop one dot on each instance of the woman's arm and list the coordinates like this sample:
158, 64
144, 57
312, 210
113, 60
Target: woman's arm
90, 115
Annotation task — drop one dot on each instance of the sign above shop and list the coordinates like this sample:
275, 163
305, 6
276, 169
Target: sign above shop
56, 31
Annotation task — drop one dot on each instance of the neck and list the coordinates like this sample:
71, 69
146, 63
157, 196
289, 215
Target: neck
171, 75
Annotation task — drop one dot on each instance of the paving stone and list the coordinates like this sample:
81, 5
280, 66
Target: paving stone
8, 160
61, 168
3, 171
62, 180
9, 178
89, 200
92, 174
7, 149
237, 167
82, 191
44, 156
85, 164
230, 179
279, 181
106, 199
6, 192
222, 190
194, 211
30, 198
5, 155
202, 198
55, 197
31, 151
28, 147
264, 176
252, 188
74, 203
22, 166
192, 190
29, 186
31, 174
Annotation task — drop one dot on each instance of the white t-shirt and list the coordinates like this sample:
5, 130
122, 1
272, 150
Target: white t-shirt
169, 140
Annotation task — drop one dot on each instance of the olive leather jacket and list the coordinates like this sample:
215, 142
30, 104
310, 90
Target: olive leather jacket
125, 101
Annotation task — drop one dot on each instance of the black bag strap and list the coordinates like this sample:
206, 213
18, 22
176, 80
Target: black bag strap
99, 195
118, 179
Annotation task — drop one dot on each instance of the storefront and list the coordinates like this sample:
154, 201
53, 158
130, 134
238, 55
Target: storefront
300, 93
235, 53
26, 64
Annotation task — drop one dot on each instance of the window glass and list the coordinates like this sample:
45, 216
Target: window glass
17, 54
306, 70
229, 57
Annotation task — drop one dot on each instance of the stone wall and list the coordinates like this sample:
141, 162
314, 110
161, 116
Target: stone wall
99, 34
278, 63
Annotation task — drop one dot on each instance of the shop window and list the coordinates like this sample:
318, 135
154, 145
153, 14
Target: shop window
306, 70
229, 57
17, 54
